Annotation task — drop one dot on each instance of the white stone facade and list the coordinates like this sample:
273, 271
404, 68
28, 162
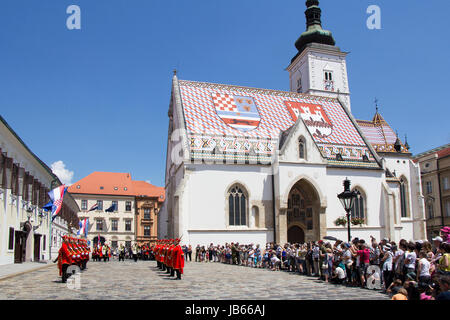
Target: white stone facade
122, 215
197, 193
18, 216
307, 72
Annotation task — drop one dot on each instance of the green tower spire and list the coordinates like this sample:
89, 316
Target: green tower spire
314, 32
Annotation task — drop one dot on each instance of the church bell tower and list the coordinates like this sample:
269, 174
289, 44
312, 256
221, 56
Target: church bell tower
319, 68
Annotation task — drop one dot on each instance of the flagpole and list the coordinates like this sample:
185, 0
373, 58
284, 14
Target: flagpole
51, 238
50, 227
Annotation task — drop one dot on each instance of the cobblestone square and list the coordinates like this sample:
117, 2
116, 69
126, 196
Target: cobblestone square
143, 281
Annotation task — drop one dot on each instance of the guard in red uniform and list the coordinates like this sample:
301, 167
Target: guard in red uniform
100, 252
178, 259
163, 256
64, 259
73, 253
166, 255
156, 252
169, 258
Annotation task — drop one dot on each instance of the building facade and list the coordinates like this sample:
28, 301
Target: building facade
25, 229
257, 165
148, 203
435, 171
115, 215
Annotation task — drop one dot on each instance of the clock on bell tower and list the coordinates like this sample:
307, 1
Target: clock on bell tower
319, 68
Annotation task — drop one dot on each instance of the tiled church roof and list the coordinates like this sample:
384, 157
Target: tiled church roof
380, 134
240, 123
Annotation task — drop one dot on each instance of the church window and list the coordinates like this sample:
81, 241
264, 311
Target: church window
301, 148
299, 85
328, 81
359, 206
403, 198
237, 207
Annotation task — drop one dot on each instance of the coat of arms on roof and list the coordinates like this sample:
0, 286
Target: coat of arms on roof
314, 117
238, 112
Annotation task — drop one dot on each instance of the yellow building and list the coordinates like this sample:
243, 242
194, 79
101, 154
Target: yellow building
435, 172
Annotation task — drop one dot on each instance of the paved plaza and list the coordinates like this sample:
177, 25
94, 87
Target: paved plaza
142, 280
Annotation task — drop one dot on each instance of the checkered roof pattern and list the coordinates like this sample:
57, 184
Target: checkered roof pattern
201, 117
377, 133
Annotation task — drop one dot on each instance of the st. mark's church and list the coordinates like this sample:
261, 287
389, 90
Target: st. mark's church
255, 165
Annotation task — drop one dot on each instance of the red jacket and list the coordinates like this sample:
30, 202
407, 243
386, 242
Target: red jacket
64, 257
178, 258
169, 256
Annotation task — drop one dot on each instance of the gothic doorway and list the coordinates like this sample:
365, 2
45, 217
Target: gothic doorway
303, 213
296, 235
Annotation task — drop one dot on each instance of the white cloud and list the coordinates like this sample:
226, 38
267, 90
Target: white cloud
59, 169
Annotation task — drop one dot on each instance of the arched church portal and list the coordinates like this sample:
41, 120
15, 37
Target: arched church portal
303, 213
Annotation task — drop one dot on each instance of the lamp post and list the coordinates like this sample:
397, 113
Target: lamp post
347, 199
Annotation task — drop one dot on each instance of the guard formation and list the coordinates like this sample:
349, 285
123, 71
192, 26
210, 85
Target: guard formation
102, 251
73, 251
169, 256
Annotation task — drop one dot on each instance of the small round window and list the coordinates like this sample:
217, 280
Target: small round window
78, 186
115, 188
125, 188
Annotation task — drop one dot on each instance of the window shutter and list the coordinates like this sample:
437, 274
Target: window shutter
7, 175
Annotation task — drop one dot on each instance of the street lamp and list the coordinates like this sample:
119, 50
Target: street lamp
347, 199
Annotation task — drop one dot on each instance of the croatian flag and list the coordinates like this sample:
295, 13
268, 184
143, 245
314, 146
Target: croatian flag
94, 207
56, 197
84, 225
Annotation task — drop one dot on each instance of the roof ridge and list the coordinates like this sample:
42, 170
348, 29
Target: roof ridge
436, 149
263, 90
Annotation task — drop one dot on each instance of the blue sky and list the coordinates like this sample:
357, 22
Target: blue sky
97, 98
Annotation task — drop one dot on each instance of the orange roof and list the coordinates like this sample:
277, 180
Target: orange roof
115, 183
142, 188
443, 153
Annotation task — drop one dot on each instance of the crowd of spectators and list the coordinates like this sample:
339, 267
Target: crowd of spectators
407, 270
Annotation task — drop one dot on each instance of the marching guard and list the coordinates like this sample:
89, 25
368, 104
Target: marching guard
73, 251
121, 252
64, 259
178, 259
169, 256
157, 257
